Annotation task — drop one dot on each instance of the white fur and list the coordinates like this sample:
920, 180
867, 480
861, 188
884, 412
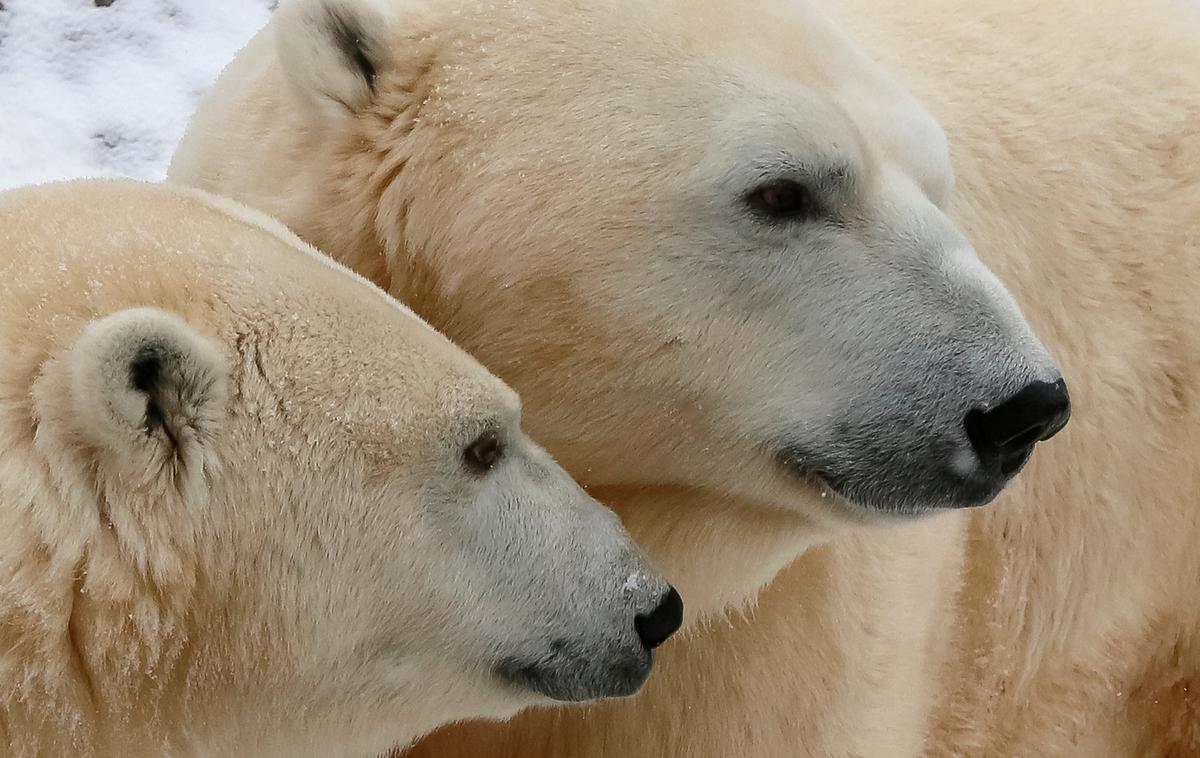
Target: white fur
578, 169
236, 516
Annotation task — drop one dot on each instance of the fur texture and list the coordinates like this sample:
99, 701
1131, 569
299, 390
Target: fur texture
555, 185
235, 513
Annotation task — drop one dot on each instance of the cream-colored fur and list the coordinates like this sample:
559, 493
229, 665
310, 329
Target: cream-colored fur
512, 159
235, 517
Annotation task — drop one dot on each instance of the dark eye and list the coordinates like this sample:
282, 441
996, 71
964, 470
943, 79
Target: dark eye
482, 455
784, 199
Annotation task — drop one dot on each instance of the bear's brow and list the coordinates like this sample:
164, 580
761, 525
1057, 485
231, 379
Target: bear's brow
830, 174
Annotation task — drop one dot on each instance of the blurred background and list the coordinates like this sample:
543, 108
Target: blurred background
106, 87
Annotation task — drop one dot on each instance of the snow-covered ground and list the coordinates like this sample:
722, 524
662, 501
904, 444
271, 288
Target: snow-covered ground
107, 91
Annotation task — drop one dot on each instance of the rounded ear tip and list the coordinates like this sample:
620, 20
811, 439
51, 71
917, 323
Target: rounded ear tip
329, 49
142, 368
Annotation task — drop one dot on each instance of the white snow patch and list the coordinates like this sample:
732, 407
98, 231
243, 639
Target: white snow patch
108, 91
963, 463
633, 582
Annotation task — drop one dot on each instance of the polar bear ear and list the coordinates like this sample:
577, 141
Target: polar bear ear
149, 389
332, 50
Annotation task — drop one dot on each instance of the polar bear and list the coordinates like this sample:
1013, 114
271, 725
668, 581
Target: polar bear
748, 263
251, 506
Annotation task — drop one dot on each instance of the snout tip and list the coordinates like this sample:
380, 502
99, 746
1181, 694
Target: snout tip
655, 627
1004, 436
1063, 415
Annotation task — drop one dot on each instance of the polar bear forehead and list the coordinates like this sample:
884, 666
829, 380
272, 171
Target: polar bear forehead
364, 294
287, 237
791, 42
350, 343
399, 355
671, 60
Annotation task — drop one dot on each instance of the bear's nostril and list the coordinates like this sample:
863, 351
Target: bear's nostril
655, 627
1004, 436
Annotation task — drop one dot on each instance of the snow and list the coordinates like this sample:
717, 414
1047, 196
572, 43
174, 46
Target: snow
108, 91
633, 582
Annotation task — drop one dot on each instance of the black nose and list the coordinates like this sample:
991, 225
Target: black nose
654, 627
1004, 436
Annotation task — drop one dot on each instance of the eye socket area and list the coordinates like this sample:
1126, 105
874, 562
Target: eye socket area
785, 200
483, 454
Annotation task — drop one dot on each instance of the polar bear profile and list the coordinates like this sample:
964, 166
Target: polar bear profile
249, 505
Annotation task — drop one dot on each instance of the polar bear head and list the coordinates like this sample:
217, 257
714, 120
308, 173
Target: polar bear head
709, 245
252, 504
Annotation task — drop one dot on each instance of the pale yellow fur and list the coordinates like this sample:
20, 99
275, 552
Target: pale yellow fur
287, 566
1062, 620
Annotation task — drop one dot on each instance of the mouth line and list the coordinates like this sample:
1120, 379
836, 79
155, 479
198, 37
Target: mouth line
830, 486
967, 492
558, 683
796, 462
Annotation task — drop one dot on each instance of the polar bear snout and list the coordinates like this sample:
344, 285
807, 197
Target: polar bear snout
604, 664
573, 607
1003, 437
